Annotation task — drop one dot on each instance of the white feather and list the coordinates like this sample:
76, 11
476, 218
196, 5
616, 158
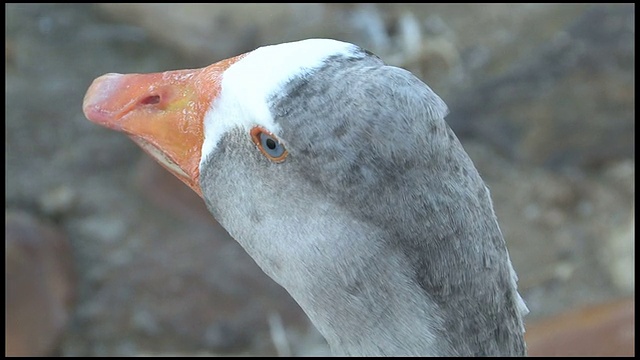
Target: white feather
248, 84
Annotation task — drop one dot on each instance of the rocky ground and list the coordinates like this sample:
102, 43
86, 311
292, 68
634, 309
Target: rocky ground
107, 254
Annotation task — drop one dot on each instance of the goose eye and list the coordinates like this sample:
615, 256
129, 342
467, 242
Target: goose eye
268, 144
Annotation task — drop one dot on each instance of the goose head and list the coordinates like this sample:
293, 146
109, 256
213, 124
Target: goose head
340, 177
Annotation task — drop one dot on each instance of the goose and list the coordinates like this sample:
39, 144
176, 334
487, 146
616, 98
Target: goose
339, 176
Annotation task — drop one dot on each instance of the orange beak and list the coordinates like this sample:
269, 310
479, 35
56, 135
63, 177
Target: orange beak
162, 112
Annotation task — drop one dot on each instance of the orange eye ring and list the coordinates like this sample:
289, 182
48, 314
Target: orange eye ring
268, 144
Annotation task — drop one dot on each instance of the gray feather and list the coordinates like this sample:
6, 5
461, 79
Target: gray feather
377, 223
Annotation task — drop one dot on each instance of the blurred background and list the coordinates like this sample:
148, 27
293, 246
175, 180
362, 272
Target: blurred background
108, 254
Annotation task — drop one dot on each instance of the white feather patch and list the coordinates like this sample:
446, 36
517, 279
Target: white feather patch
248, 84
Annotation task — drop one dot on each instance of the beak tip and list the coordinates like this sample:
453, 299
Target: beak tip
96, 114
95, 100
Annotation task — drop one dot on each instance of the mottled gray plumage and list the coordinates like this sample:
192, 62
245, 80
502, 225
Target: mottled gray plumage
377, 223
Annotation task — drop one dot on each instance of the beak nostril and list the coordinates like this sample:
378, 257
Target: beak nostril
151, 100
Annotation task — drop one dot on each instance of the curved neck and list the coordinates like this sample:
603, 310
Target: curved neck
377, 311
435, 282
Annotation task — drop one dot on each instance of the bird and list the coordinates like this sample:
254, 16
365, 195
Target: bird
339, 176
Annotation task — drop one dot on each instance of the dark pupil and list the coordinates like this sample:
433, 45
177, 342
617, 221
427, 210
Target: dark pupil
271, 144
